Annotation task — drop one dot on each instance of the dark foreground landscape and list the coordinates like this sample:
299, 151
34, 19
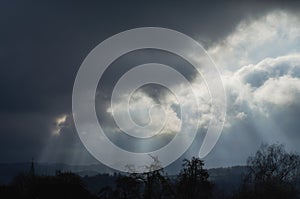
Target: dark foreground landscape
270, 173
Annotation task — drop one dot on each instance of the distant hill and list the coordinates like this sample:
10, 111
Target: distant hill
97, 176
8, 171
225, 180
228, 179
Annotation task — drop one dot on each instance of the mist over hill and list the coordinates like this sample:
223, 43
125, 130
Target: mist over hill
97, 176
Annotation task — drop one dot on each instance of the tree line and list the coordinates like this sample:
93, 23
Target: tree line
272, 173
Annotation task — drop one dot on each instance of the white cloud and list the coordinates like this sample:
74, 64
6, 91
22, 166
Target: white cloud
272, 35
146, 112
284, 90
59, 123
263, 86
260, 64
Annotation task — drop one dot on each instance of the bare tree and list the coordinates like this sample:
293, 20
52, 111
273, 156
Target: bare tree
193, 180
272, 172
156, 184
127, 187
273, 163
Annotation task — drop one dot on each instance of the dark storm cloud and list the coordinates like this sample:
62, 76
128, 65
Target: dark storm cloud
135, 58
42, 45
23, 135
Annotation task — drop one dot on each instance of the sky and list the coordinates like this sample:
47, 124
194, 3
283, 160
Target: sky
255, 45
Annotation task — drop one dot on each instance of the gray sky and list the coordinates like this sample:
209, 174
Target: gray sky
256, 46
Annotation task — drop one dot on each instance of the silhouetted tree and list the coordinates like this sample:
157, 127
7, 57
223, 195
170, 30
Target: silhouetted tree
193, 180
272, 171
127, 187
154, 182
106, 193
273, 163
157, 185
62, 185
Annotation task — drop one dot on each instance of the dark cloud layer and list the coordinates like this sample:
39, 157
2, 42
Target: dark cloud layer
42, 44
